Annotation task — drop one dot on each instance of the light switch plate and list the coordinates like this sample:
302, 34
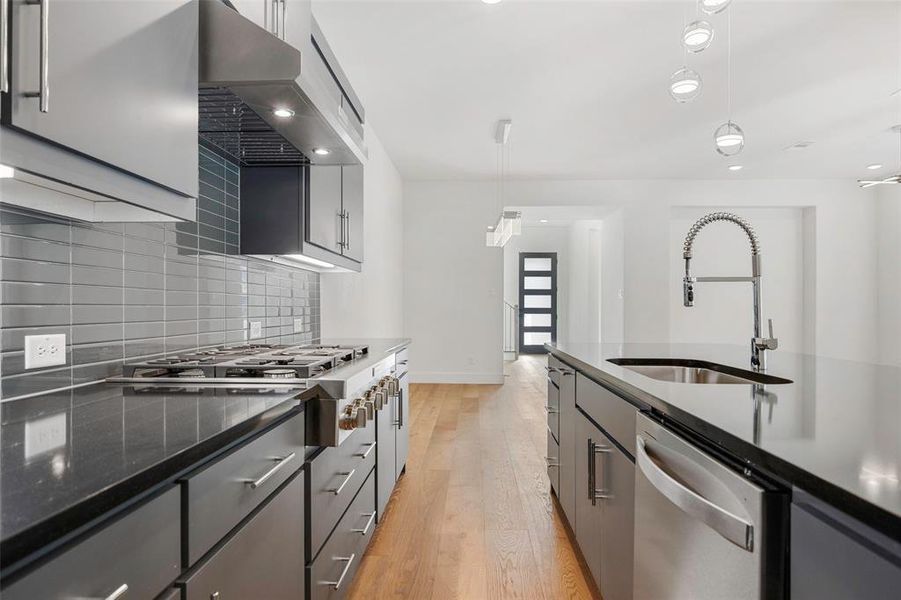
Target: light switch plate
298, 325
45, 350
256, 329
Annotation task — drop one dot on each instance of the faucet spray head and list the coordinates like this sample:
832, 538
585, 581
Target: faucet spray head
688, 292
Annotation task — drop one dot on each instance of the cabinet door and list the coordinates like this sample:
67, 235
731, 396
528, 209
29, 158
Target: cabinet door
567, 493
352, 198
616, 477
119, 83
402, 433
324, 211
385, 469
552, 408
588, 510
264, 559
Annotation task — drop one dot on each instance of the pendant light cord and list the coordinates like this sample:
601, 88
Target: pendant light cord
729, 66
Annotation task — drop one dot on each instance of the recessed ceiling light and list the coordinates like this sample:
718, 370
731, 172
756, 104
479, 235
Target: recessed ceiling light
543, 220
283, 113
735, 167
874, 166
321, 151
7, 172
490, 1
697, 36
711, 7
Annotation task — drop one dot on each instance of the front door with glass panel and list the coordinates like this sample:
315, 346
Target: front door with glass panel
537, 301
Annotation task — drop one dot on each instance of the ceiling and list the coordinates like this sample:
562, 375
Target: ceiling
586, 85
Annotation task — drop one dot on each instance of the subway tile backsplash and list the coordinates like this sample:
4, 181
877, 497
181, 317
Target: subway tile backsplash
123, 291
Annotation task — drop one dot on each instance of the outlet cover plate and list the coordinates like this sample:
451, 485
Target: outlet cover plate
256, 329
298, 325
45, 350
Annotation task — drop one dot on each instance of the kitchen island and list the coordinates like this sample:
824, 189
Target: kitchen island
829, 441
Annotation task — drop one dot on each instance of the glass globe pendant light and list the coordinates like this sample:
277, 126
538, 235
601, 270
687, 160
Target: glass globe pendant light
685, 85
711, 7
729, 138
697, 36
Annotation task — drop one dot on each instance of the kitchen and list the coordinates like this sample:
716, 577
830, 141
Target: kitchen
194, 199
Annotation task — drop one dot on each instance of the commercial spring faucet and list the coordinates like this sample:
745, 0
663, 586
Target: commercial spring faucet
759, 344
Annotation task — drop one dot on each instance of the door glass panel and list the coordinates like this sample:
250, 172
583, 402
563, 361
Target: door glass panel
537, 302
536, 264
536, 283
531, 338
533, 320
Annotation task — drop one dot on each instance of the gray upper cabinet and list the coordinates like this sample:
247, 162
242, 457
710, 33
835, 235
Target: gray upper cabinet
335, 210
114, 82
352, 201
286, 19
324, 213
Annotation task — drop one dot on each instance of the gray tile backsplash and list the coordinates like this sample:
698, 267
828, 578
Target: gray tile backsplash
122, 291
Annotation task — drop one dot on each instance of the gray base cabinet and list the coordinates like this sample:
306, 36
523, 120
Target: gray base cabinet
834, 557
264, 559
139, 552
567, 492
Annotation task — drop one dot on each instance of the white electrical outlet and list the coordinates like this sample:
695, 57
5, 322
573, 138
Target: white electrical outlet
45, 350
298, 325
256, 329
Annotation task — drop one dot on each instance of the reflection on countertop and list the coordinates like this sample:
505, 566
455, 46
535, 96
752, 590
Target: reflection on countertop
104, 444
836, 429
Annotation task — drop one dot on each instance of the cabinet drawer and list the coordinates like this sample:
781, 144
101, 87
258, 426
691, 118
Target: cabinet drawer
334, 569
615, 415
227, 491
335, 475
553, 463
140, 550
263, 559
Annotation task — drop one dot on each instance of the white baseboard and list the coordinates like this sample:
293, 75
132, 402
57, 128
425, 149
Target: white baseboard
448, 377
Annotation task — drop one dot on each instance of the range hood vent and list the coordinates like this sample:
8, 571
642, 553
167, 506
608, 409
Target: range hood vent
229, 126
247, 73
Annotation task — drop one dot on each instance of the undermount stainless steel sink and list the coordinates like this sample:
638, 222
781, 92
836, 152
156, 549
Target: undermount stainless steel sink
679, 370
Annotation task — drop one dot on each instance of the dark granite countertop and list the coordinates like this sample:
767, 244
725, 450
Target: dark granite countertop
67, 458
834, 432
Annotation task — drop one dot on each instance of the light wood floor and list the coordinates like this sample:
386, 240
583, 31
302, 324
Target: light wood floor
473, 517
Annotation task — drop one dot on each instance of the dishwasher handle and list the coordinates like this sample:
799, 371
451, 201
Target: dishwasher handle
730, 526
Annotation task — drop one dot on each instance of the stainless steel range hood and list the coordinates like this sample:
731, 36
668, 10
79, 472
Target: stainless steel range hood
246, 73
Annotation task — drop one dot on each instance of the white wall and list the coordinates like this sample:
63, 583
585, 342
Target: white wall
444, 251
888, 300
370, 303
453, 283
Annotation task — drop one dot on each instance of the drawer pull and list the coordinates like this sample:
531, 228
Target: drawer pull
338, 489
347, 559
119, 592
368, 451
551, 410
279, 463
365, 530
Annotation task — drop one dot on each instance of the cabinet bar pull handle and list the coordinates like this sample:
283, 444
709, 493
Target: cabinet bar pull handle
44, 92
551, 461
279, 463
349, 560
347, 225
118, 592
338, 489
365, 530
551, 410
368, 451
601, 493
4, 52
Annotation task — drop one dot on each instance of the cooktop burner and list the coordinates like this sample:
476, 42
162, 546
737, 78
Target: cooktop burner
248, 361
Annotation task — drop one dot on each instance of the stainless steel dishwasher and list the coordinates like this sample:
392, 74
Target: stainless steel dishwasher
702, 530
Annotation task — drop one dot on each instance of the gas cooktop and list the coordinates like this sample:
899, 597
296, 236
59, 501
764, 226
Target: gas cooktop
247, 361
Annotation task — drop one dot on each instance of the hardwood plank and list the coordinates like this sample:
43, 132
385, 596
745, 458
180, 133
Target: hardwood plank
473, 517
